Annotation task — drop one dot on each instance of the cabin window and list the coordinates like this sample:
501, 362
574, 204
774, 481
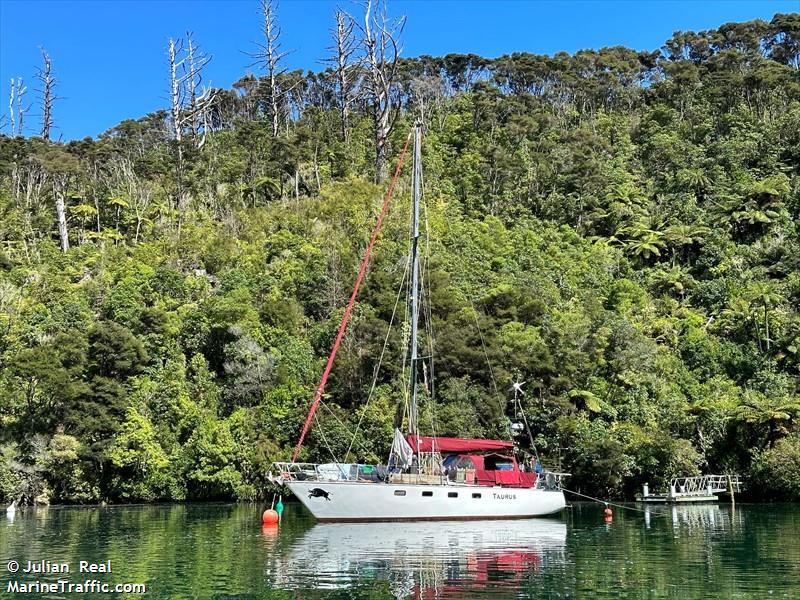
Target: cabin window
466, 463
498, 463
476, 495
427, 494
399, 492
452, 494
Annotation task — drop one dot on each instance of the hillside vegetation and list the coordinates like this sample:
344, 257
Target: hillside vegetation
618, 229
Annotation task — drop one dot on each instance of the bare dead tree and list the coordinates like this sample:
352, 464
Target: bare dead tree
380, 36
27, 185
269, 57
176, 101
61, 170
190, 102
196, 62
22, 109
176, 89
200, 98
47, 92
177, 96
203, 108
346, 66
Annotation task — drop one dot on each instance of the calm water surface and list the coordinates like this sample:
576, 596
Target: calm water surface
221, 551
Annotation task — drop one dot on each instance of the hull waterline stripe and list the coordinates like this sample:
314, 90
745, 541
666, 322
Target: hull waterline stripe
454, 519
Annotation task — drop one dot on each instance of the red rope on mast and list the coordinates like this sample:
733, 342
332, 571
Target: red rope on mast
346, 316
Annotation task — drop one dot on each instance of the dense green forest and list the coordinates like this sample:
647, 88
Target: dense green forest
616, 228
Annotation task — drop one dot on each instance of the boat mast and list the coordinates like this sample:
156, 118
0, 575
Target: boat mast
416, 187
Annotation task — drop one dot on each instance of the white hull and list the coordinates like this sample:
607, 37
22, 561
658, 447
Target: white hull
358, 501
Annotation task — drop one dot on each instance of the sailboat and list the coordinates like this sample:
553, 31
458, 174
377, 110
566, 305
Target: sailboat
427, 477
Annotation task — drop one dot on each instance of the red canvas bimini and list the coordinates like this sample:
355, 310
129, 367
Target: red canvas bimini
424, 443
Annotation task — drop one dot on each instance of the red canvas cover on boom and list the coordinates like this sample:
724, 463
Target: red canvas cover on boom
447, 444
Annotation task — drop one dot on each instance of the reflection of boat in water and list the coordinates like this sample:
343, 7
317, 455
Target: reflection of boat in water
420, 558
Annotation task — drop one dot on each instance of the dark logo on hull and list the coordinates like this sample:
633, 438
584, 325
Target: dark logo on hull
319, 493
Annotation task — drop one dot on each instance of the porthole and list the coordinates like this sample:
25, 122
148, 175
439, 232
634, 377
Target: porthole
452, 494
399, 492
476, 495
427, 494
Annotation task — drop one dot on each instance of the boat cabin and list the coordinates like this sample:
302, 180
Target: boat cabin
480, 462
487, 469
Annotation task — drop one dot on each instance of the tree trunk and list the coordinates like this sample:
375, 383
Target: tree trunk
61, 213
381, 139
345, 123
97, 210
48, 83
176, 101
342, 62
758, 333
270, 57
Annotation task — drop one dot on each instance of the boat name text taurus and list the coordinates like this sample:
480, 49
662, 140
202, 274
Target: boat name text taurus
497, 496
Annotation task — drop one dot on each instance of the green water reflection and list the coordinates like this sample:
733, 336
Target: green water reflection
222, 551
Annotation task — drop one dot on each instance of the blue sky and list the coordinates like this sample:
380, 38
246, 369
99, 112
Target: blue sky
109, 55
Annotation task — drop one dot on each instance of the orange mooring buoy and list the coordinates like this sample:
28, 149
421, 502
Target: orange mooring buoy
608, 512
269, 517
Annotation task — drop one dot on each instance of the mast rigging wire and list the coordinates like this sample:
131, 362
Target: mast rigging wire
380, 361
607, 503
346, 316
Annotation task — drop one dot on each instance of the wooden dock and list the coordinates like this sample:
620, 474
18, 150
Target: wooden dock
705, 488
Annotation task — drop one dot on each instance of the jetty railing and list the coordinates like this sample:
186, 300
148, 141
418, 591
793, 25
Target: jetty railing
703, 488
704, 484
